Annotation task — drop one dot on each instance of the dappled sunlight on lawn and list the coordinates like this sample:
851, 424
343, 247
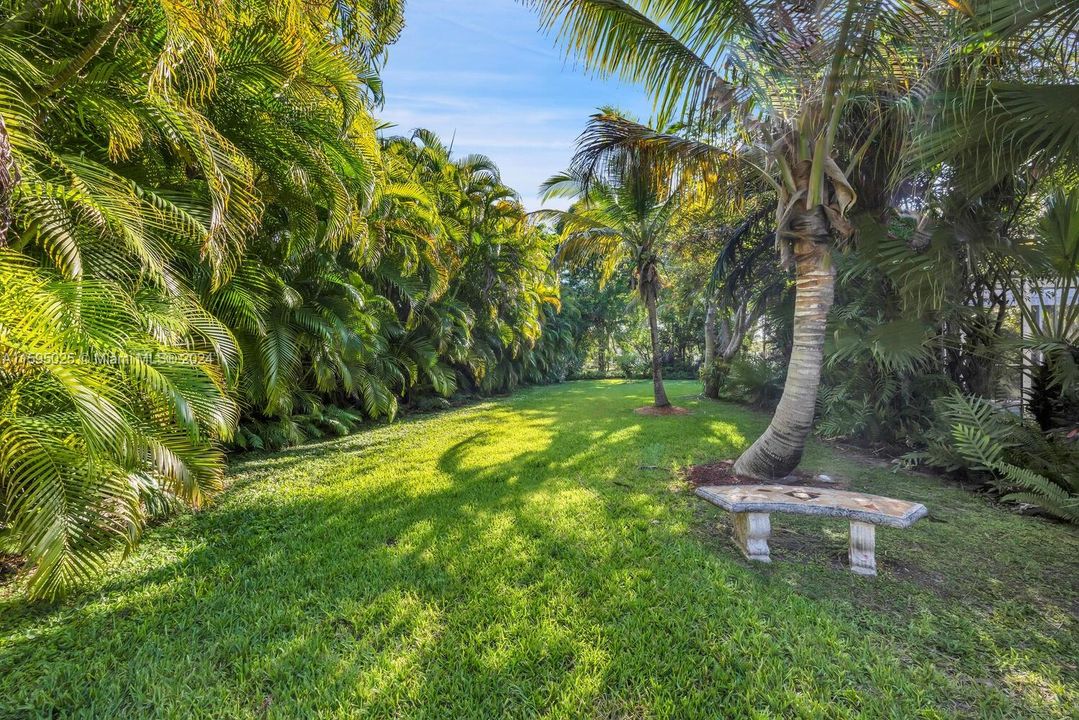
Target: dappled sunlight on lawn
727, 434
535, 556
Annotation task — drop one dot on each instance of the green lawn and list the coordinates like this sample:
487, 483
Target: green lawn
539, 556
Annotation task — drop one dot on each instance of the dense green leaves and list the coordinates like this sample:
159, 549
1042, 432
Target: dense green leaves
1027, 465
108, 408
942, 129
203, 241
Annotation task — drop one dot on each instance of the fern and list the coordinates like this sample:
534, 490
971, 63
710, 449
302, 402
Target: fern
1023, 463
980, 450
1034, 489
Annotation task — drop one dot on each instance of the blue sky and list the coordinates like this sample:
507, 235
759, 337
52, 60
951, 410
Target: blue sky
481, 73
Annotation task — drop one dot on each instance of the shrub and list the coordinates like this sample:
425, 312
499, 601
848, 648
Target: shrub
875, 405
755, 381
679, 371
1052, 400
712, 376
1014, 455
633, 366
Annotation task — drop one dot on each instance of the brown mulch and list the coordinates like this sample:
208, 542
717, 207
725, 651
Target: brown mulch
719, 473
661, 412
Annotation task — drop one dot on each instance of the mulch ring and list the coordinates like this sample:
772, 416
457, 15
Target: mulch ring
720, 473
661, 411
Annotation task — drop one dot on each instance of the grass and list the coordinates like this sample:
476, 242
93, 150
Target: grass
539, 557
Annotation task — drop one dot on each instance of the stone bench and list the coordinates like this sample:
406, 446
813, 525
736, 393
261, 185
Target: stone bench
751, 505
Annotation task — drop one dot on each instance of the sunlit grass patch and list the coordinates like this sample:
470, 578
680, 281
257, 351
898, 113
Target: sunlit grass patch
539, 556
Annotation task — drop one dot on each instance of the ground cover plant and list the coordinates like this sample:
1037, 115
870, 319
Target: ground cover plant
541, 556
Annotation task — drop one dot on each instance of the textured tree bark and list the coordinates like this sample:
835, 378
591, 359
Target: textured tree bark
726, 340
9, 175
779, 450
601, 355
658, 390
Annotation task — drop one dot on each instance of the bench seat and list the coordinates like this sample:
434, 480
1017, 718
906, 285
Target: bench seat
751, 506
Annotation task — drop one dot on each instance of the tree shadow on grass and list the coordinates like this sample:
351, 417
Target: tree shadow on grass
522, 564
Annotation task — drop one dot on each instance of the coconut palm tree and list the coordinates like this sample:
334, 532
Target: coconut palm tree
818, 97
622, 221
776, 86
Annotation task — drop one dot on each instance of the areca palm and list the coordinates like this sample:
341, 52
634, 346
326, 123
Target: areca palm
110, 405
625, 220
812, 96
143, 147
486, 314
205, 181
504, 273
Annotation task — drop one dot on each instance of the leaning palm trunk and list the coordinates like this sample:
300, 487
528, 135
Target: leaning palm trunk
779, 450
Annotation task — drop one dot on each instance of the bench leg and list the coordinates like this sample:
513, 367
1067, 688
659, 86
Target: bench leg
751, 531
863, 548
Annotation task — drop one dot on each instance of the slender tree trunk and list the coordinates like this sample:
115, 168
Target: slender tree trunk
9, 175
657, 373
601, 358
731, 339
726, 340
779, 450
711, 382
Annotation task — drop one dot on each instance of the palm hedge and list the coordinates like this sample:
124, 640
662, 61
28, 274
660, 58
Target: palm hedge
205, 241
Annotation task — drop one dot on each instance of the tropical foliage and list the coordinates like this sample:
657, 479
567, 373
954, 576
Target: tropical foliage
922, 157
622, 223
864, 214
204, 242
1025, 464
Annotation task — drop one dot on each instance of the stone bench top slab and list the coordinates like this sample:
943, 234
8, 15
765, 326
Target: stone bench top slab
814, 501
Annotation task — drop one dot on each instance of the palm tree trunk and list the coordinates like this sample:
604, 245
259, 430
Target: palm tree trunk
779, 450
657, 374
